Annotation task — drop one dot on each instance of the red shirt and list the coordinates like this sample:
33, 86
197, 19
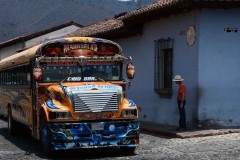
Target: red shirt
182, 91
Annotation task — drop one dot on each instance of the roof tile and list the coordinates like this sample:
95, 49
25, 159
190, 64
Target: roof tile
100, 27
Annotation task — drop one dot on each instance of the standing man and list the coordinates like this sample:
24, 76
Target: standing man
181, 101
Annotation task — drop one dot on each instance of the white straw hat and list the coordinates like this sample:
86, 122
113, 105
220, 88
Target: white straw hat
178, 78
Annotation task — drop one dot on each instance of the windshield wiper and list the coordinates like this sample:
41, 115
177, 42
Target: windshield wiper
66, 78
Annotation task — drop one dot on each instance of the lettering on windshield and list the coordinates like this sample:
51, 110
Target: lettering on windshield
73, 79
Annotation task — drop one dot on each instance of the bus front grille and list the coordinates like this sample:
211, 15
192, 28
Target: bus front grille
95, 102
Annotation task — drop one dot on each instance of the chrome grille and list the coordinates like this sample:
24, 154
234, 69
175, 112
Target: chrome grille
95, 101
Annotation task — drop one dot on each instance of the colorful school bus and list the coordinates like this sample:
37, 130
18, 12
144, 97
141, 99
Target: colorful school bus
71, 94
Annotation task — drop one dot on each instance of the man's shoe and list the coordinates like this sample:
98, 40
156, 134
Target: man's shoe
181, 129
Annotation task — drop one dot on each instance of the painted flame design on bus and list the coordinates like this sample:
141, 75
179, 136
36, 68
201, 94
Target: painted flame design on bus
71, 94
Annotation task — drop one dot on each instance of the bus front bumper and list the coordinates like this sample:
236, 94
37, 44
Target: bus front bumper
93, 134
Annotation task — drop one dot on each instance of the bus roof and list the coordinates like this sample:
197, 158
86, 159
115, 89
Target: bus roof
26, 55
19, 58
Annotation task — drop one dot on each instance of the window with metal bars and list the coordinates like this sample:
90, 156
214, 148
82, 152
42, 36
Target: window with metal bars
163, 64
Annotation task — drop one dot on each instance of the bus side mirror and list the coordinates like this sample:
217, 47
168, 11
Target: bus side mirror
37, 72
130, 70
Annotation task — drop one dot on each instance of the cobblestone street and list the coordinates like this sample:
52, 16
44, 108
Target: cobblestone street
221, 147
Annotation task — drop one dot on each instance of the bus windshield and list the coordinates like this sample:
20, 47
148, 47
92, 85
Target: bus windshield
110, 72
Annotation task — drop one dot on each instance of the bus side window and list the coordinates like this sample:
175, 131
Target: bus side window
1, 80
18, 75
28, 78
11, 76
8, 77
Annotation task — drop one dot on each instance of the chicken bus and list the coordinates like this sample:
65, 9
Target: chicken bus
71, 94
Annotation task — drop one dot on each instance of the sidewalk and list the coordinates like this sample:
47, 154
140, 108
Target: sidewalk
170, 131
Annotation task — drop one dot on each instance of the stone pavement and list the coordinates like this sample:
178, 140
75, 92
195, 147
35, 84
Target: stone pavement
170, 131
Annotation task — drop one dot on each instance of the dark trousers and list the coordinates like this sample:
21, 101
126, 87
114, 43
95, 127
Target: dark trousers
182, 119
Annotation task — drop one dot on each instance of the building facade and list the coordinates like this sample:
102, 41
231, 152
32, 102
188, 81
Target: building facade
209, 67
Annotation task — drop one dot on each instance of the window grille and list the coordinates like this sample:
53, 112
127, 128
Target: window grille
163, 65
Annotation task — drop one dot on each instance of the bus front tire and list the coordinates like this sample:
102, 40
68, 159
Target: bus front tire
45, 140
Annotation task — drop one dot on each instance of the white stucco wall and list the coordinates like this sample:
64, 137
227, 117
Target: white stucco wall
219, 63
9, 50
141, 48
51, 35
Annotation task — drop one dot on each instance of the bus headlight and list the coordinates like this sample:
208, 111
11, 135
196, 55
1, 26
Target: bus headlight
126, 113
59, 115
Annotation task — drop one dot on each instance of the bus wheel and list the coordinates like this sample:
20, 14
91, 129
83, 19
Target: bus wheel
44, 132
11, 122
128, 150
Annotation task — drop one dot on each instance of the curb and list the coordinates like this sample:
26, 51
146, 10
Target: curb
161, 133
190, 133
